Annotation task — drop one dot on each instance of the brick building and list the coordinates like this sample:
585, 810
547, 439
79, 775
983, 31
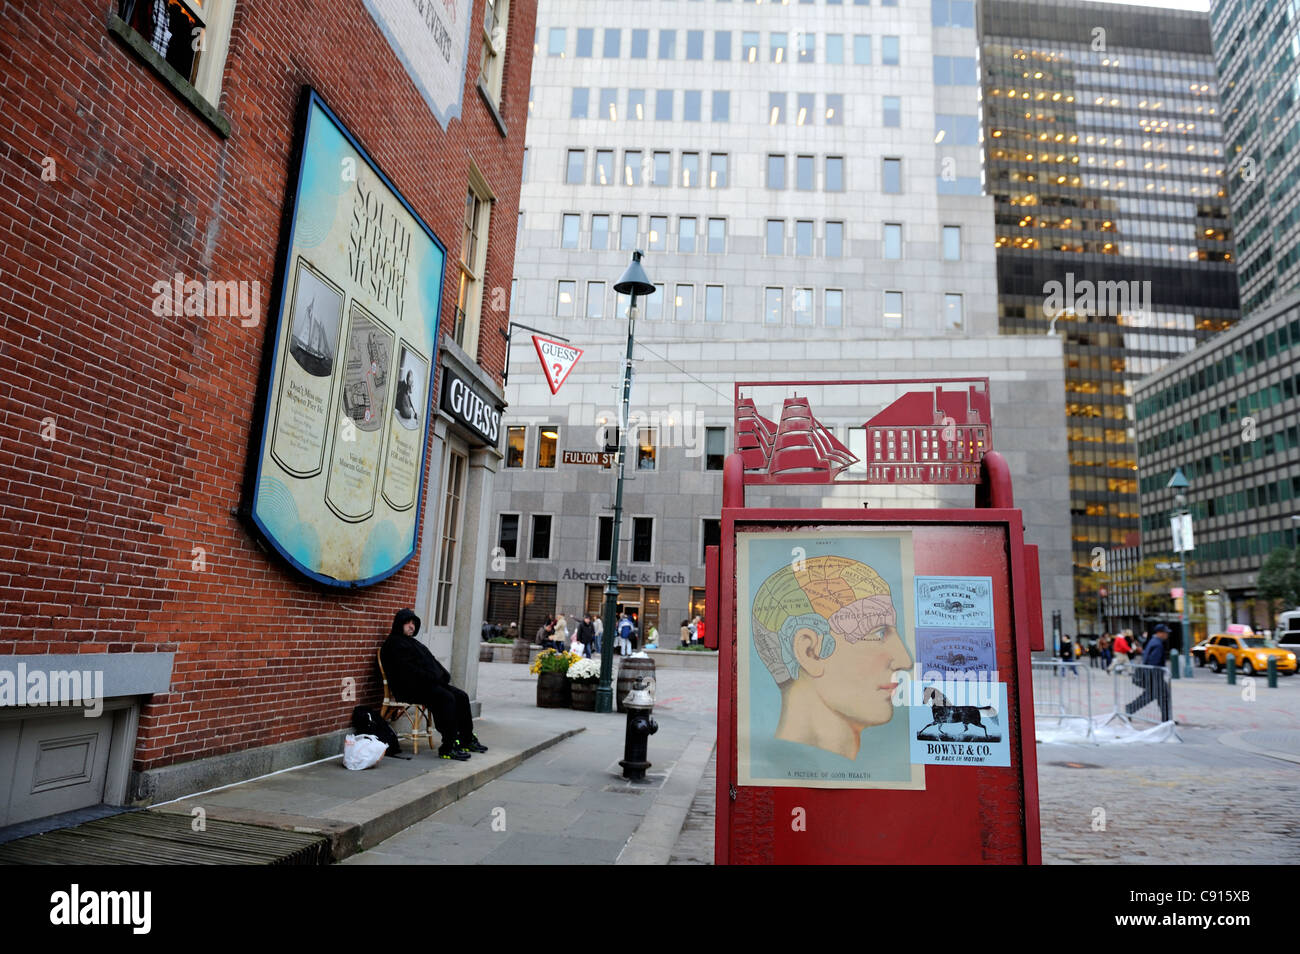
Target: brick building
156, 177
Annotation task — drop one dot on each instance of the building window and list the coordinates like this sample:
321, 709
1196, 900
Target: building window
717, 170
608, 104
191, 37
569, 229
663, 169
834, 174
889, 50
776, 47
835, 48
695, 44
715, 447
862, 49
496, 13
508, 536
833, 316
803, 306
636, 104
721, 106
585, 37
556, 41
595, 299
722, 45
653, 307
710, 535
642, 539
775, 237
805, 109
627, 232
803, 237
834, 109
640, 44
473, 261
776, 171
749, 46
604, 538
645, 448
664, 105
658, 233
686, 234
564, 295
690, 169
632, 167
599, 233
807, 47
541, 542
692, 104
548, 439
893, 244
515, 446
834, 239
773, 306
684, 303
805, 173
893, 309
575, 168
712, 302
578, 105
604, 167
775, 109
955, 71
952, 313
893, 111
717, 236
952, 243
447, 560
667, 44
892, 176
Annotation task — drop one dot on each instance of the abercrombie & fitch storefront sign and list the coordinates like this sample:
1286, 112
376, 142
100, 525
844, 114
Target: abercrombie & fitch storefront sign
470, 409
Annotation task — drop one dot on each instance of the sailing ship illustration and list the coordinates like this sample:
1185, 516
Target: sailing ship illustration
310, 344
796, 448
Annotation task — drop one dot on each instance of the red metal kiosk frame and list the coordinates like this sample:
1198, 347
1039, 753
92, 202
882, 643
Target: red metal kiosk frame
966, 814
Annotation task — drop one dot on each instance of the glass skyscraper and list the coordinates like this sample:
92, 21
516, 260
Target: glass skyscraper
1105, 159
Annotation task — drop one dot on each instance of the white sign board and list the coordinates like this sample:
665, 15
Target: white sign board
431, 39
1181, 527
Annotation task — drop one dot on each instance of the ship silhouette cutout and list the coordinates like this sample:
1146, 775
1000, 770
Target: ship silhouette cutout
798, 449
313, 351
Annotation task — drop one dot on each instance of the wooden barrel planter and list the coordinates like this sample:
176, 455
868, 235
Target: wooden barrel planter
552, 690
485, 652
628, 673
521, 650
583, 695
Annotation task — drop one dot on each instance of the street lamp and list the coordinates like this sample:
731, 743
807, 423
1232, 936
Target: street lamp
634, 282
1295, 517
1178, 482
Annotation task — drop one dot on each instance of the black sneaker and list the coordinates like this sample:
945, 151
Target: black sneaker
475, 745
447, 752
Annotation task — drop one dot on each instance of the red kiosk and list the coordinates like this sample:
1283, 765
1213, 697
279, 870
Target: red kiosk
874, 694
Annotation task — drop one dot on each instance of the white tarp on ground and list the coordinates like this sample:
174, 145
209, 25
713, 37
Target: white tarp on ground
1106, 729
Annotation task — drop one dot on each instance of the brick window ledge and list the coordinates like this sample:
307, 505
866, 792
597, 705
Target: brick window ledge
166, 72
492, 107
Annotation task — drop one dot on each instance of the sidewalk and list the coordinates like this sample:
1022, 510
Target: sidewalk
551, 774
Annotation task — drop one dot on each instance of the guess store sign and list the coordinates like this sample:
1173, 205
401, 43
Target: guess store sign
470, 408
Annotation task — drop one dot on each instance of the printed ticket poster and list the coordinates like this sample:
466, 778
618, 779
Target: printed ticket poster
825, 619
961, 723
954, 629
346, 422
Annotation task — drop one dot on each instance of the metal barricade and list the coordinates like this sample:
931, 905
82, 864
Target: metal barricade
1063, 692
1142, 693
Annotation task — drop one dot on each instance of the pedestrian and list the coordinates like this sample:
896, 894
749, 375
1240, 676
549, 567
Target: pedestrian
586, 635
561, 636
1067, 654
686, 633
1094, 654
415, 676
624, 635
1135, 648
598, 626
1151, 675
699, 630
1106, 651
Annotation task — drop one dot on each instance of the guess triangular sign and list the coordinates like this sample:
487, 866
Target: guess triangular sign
557, 359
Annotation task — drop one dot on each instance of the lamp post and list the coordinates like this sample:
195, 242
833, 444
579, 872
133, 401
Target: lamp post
1178, 482
634, 282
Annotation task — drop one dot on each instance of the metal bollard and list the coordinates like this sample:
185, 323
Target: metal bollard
1173, 664
1232, 669
640, 726
1272, 672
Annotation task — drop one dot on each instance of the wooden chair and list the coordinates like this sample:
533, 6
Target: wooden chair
415, 714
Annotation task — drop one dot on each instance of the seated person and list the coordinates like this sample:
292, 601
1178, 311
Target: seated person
415, 676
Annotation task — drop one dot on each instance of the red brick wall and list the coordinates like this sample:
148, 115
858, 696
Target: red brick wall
152, 415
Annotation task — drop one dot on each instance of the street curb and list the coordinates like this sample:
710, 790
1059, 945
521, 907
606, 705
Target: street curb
653, 841
1234, 740
367, 821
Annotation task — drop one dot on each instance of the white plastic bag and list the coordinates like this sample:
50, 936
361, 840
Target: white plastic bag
362, 751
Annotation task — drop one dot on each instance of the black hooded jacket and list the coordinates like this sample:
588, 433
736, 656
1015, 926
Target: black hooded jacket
411, 669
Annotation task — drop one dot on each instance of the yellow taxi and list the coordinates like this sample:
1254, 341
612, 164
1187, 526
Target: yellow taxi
1251, 654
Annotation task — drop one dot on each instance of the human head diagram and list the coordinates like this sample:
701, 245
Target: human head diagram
825, 628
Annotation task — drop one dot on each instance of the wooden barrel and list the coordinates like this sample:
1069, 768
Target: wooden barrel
628, 673
552, 690
520, 651
485, 651
583, 695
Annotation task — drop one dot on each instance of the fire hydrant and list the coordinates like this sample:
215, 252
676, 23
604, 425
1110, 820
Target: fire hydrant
640, 726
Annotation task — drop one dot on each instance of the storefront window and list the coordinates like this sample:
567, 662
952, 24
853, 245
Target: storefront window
548, 439
515, 446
